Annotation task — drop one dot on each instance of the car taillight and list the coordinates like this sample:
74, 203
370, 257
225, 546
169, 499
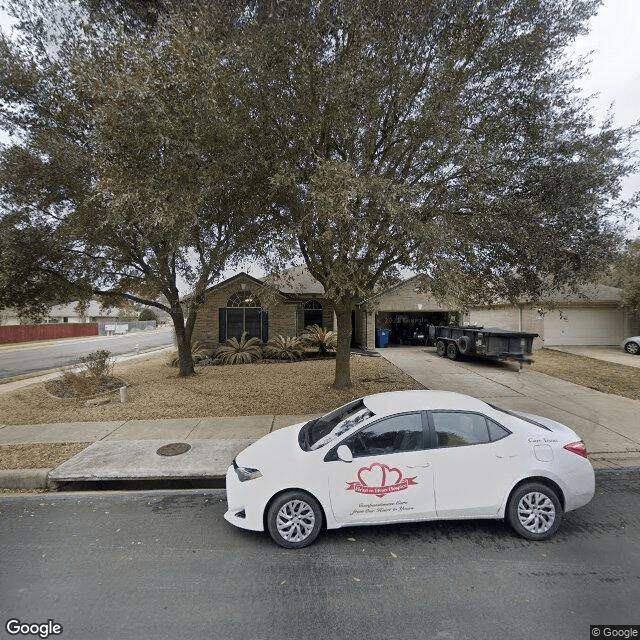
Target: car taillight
577, 447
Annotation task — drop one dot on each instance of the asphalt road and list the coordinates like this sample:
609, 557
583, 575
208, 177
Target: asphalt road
49, 355
166, 565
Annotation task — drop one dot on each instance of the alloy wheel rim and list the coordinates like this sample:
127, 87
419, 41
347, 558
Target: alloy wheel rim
295, 521
632, 348
536, 512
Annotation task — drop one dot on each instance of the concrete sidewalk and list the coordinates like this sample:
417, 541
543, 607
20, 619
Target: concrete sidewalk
128, 450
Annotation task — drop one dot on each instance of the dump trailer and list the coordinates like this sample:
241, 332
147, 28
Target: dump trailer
499, 344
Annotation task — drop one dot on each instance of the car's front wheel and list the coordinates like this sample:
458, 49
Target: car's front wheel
294, 519
534, 511
632, 348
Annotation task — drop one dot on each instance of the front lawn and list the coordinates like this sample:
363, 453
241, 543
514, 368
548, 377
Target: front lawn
156, 392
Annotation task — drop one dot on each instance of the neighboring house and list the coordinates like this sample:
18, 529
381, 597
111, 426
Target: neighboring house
94, 312
286, 303
595, 316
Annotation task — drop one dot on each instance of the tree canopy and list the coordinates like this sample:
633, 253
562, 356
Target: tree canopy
447, 137
626, 274
131, 174
160, 139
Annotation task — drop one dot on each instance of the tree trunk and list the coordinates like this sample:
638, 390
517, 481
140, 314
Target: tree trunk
185, 361
343, 367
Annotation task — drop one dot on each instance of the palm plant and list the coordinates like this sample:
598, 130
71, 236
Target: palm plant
200, 353
283, 348
319, 338
243, 351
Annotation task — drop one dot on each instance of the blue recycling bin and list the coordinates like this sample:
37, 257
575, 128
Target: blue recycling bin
383, 337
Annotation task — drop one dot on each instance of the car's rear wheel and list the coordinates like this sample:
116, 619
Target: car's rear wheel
534, 511
632, 348
294, 519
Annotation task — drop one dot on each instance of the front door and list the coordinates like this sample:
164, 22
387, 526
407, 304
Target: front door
390, 478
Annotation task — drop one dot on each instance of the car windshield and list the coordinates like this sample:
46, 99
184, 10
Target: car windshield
317, 433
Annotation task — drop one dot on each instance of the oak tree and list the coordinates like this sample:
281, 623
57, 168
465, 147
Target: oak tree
444, 136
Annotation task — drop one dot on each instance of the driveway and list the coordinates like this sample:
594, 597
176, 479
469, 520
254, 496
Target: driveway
607, 423
608, 354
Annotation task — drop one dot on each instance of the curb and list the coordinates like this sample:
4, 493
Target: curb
24, 478
39, 479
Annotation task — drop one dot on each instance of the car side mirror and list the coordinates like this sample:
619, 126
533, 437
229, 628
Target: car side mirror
344, 453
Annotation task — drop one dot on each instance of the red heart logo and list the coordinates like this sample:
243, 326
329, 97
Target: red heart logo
372, 476
379, 475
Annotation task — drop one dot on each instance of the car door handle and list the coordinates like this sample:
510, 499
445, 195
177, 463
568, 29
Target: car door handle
418, 466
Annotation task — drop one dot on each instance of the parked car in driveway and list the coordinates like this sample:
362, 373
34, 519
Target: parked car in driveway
409, 456
632, 345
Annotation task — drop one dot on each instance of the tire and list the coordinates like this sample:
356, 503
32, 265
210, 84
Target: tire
534, 511
465, 344
633, 348
452, 351
441, 348
294, 519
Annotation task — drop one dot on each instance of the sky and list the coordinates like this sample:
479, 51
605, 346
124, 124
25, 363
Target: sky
614, 72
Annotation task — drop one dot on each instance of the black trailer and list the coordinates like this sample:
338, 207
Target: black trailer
499, 344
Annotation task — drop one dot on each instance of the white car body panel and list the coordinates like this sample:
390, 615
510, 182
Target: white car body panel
404, 483
438, 483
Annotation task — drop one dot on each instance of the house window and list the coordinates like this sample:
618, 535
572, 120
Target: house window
65, 319
312, 313
243, 313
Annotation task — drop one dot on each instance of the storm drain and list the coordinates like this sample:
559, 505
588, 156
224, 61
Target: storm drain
173, 449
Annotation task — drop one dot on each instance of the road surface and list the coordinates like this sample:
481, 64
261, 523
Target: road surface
167, 565
21, 358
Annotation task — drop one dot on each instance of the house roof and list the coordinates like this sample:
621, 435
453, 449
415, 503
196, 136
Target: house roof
94, 308
587, 293
295, 280
402, 283
242, 275
237, 276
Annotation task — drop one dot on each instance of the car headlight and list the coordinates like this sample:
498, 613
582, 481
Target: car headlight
246, 473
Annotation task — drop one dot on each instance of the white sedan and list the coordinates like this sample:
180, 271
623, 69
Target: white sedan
408, 456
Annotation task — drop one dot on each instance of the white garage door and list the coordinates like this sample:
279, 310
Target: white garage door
584, 327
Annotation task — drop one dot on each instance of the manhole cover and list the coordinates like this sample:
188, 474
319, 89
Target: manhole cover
173, 449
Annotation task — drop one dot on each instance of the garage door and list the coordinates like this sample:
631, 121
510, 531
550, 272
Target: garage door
584, 327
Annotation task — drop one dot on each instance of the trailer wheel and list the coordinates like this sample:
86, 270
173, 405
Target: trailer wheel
452, 351
441, 348
464, 344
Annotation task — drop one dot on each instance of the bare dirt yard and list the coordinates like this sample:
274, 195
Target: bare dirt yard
156, 391
607, 377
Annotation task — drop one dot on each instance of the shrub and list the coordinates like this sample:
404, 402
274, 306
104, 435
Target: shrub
281, 348
319, 338
98, 364
243, 351
146, 315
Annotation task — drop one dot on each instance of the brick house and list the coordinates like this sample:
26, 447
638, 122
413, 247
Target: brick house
283, 304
